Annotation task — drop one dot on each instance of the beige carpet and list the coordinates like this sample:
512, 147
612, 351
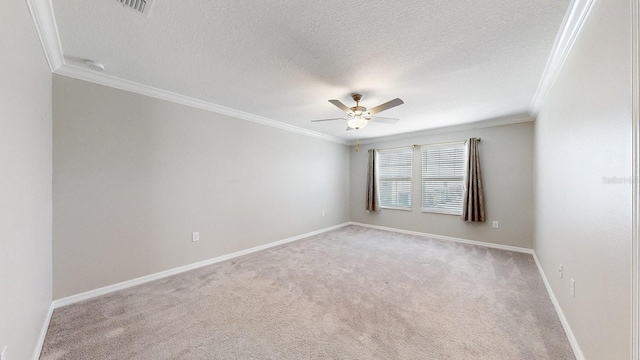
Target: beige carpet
353, 293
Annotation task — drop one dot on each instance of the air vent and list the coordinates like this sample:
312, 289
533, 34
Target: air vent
142, 6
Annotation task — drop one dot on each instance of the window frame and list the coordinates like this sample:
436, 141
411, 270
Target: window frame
409, 180
423, 178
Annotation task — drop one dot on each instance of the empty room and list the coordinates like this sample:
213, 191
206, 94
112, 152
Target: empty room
319, 179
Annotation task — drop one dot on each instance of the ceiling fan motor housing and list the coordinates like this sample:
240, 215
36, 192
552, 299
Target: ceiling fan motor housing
358, 110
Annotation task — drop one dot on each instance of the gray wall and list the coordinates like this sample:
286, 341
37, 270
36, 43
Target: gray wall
506, 156
25, 182
583, 134
134, 176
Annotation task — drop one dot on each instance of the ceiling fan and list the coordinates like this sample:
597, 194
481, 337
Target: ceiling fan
358, 116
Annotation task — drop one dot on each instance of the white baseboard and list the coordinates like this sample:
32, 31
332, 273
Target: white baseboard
141, 280
565, 324
43, 334
144, 279
448, 238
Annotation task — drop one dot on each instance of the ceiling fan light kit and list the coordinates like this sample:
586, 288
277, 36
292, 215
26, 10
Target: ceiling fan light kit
358, 122
358, 117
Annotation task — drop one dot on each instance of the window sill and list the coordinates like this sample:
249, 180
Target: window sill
439, 211
395, 208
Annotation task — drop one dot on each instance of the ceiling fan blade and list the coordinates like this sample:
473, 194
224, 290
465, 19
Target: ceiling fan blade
388, 105
340, 105
328, 119
384, 120
349, 129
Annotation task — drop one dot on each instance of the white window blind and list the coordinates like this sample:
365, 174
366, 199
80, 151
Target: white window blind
394, 177
443, 178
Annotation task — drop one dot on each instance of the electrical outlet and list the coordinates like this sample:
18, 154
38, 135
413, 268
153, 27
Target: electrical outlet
322, 212
561, 271
496, 225
195, 236
573, 287
4, 355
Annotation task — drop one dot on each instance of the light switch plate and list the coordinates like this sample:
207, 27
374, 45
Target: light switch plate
195, 236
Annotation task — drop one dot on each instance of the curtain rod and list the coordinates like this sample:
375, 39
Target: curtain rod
415, 146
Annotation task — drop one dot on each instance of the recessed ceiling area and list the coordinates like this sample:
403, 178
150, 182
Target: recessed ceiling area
451, 62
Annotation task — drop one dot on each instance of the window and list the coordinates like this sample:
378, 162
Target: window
394, 178
443, 178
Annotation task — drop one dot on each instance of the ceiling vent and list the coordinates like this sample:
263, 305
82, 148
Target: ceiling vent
141, 6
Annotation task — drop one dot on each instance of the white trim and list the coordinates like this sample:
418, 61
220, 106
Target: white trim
45, 22
441, 211
571, 27
43, 334
635, 235
395, 208
122, 84
448, 238
565, 324
507, 120
163, 274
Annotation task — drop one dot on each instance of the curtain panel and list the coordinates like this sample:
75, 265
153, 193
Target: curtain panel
373, 194
473, 200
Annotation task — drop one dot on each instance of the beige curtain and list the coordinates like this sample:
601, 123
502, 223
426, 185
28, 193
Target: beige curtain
473, 201
373, 195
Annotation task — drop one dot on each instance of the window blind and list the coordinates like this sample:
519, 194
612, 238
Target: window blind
443, 178
394, 177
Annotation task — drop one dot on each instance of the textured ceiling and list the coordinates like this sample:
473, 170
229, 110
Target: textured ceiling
452, 62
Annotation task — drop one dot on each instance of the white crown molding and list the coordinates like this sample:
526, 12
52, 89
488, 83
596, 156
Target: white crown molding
571, 26
45, 22
122, 84
507, 120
